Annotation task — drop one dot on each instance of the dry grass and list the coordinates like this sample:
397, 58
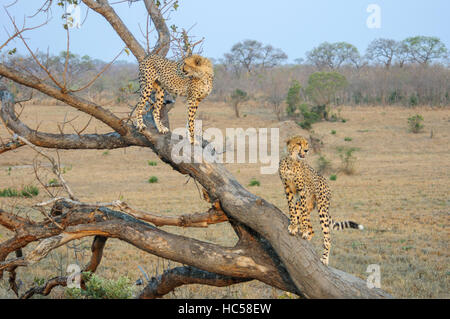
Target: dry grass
399, 192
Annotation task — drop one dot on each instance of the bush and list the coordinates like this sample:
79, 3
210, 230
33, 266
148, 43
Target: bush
254, 182
348, 139
415, 123
100, 288
323, 165
9, 192
153, 179
333, 132
237, 97
348, 160
30, 191
27, 191
323, 88
310, 116
152, 163
333, 177
293, 99
413, 100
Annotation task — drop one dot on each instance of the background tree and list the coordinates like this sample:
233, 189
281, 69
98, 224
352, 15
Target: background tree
237, 97
423, 50
382, 51
252, 54
293, 98
333, 55
322, 89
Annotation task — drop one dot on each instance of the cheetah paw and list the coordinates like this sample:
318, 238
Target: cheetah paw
163, 129
324, 260
307, 235
141, 126
293, 229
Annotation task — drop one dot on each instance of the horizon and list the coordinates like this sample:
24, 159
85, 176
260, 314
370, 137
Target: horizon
348, 23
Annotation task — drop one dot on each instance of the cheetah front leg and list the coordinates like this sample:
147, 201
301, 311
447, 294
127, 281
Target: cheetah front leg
293, 213
146, 90
306, 227
192, 109
159, 102
323, 206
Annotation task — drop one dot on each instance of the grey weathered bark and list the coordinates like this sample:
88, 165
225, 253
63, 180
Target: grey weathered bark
265, 251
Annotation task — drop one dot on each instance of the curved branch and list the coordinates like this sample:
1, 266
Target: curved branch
186, 220
77, 102
11, 145
179, 276
103, 8
97, 251
49, 140
163, 44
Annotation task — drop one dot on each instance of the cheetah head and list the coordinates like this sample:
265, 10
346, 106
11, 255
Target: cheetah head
297, 147
197, 66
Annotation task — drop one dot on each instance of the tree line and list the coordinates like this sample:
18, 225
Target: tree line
411, 72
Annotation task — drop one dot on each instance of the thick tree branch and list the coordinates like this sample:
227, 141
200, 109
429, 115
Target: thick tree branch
11, 145
179, 276
103, 8
187, 220
97, 251
79, 103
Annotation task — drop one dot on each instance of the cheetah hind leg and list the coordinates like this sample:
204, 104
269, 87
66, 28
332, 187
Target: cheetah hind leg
140, 108
192, 109
159, 102
307, 230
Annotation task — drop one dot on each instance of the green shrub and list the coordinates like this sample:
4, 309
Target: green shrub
9, 192
333, 132
310, 116
100, 288
27, 191
415, 123
293, 99
333, 177
347, 139
30, 191
153, 179
254, 182
413, 100
152, 163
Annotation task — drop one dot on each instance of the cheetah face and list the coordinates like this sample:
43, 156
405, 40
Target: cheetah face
197, 66
297, 147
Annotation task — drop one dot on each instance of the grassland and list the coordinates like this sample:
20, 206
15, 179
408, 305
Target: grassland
399, 192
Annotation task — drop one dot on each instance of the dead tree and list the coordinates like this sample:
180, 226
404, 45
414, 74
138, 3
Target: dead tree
265, 250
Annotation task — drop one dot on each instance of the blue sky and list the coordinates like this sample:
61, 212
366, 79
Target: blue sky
295, 26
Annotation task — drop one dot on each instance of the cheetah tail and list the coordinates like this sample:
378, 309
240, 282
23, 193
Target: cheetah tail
345, 224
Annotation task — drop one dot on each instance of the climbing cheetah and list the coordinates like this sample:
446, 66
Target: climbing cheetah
191, 77
302, 181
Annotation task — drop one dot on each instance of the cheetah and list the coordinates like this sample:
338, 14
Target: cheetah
191, 77
305, 188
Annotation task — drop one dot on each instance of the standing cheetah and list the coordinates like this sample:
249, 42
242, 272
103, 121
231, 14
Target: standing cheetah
302, 181
191, 77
